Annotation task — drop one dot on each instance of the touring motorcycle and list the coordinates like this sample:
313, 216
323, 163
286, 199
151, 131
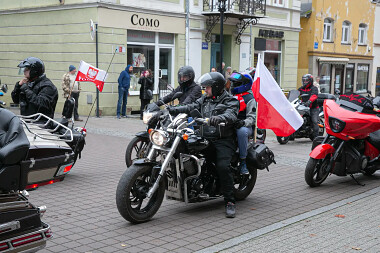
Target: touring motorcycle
176, 164
34, 151
352, 143
306, 130
140, 145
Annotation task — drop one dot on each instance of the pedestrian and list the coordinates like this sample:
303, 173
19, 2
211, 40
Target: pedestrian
228, 72
146, 89
213, 69
71, 88
35, 92
124, 83
316, 83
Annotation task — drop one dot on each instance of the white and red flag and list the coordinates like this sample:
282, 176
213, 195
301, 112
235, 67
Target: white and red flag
273, 109
88, 73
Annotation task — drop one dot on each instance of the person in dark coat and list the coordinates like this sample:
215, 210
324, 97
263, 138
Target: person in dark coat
123, 88
35, 92
146, 89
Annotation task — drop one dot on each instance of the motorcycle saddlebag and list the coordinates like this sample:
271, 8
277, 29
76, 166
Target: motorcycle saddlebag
260, 156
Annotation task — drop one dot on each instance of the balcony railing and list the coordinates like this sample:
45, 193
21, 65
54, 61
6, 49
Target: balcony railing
236, 8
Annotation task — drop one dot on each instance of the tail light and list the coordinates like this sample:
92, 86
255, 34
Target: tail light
31, 186
64, 169
4, 246
27, 239
49, 233
336, 125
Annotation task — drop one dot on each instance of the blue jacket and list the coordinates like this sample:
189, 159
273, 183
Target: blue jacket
124, 78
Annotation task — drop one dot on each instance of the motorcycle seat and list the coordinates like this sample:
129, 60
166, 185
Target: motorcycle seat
374, 139
14, 144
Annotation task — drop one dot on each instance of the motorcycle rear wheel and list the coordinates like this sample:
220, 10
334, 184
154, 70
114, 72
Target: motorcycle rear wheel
283, 140
131, 193
137, 148
241, 193
261, 134
315, 172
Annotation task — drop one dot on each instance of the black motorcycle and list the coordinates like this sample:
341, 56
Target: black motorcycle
306, 130
3, 89
176, 164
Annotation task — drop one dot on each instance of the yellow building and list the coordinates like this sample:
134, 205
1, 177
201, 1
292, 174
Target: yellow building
336, 44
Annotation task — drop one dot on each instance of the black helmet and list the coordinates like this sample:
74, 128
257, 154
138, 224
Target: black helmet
215, 80
307, 80
188, 74
251, 71
36, 66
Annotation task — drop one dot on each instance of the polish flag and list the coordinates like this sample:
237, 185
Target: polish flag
88, 73
273, 109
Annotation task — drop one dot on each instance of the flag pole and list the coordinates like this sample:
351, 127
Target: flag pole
257, 106
104, 78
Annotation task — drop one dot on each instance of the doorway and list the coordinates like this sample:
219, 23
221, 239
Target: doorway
338, 82
166, 83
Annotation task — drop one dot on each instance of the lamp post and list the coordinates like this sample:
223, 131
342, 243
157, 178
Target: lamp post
221, 9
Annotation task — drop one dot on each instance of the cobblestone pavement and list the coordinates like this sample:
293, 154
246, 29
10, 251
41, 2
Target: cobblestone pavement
354, 226
82, 211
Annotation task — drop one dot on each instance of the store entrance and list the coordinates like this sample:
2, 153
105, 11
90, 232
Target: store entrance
166, 84
338, 82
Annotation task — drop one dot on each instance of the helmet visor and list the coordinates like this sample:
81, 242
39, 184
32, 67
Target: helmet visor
305, 80
205, 80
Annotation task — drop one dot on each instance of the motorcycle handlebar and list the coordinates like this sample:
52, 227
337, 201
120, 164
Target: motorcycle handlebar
206, 121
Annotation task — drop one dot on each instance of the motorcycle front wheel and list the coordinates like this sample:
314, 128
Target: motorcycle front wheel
244, 186
131, 192
137, 148
283, 140
315, 172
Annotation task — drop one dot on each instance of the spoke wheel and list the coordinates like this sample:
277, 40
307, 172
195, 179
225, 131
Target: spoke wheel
131, 199
316, 171
244, 184
138, 148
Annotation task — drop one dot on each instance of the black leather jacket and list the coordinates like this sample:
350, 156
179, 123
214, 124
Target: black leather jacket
190, 94
225, 106
38, 96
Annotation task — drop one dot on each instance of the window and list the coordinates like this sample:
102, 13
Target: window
362, 78
346, 31
278, 2
325, 77
362, 34
378, 81
327, 30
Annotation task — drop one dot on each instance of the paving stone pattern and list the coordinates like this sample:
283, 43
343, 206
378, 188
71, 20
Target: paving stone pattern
82, 211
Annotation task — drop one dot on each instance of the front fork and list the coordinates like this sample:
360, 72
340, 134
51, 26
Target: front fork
168, 157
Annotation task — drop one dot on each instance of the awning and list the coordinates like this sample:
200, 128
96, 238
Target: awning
333, 60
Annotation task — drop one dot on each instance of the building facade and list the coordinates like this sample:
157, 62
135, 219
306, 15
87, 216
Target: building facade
161, 35
336, 44
376, 53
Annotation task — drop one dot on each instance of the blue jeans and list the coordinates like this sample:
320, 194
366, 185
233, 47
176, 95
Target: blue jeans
123, 94
242, 136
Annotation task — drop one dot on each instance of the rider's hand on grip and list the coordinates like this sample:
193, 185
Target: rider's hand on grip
159, 102
307, 103
173, 110
215, 120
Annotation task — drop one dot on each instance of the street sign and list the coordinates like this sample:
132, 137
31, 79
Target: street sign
315, 45
205, 45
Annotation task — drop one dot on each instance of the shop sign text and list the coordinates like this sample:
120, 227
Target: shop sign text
271, 33
148, 22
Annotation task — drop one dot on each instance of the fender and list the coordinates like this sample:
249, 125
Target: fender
140, 162
321, 151
143, 134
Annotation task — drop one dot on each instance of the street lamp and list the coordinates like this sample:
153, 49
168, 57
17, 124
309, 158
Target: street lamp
221, 8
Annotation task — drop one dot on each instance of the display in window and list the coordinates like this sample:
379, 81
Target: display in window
138, 60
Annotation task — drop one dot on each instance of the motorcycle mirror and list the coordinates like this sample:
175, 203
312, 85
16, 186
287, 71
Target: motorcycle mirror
195, 114
4, 87
177, 95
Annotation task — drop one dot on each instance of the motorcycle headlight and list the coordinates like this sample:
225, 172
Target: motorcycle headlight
336, 125
159, 137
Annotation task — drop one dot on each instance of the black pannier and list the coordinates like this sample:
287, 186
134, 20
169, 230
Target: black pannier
260, 156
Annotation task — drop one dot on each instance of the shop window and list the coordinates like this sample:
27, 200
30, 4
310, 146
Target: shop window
346, 32
278, 3
166, 38
378, 82
327, 30
325, 77
362, 78
349, 85
273, 63
140, 36
362, 34
141, 58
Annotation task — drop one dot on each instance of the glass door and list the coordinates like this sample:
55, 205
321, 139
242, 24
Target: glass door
338, 83
165, 73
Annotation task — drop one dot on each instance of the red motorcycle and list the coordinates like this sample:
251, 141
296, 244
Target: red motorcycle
352, 143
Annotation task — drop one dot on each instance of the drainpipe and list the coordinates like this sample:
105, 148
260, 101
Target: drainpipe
187, 31
250, 46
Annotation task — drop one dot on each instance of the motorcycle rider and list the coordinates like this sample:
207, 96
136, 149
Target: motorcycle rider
241, 88
35, 92
219, 107
310, 101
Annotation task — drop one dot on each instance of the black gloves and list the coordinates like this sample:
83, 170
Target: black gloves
215, 120
238, 124
307, 103
173, 110
159, 102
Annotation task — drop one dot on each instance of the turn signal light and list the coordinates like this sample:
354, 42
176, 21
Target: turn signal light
185, 137
67, 168
150, 130
320, 125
